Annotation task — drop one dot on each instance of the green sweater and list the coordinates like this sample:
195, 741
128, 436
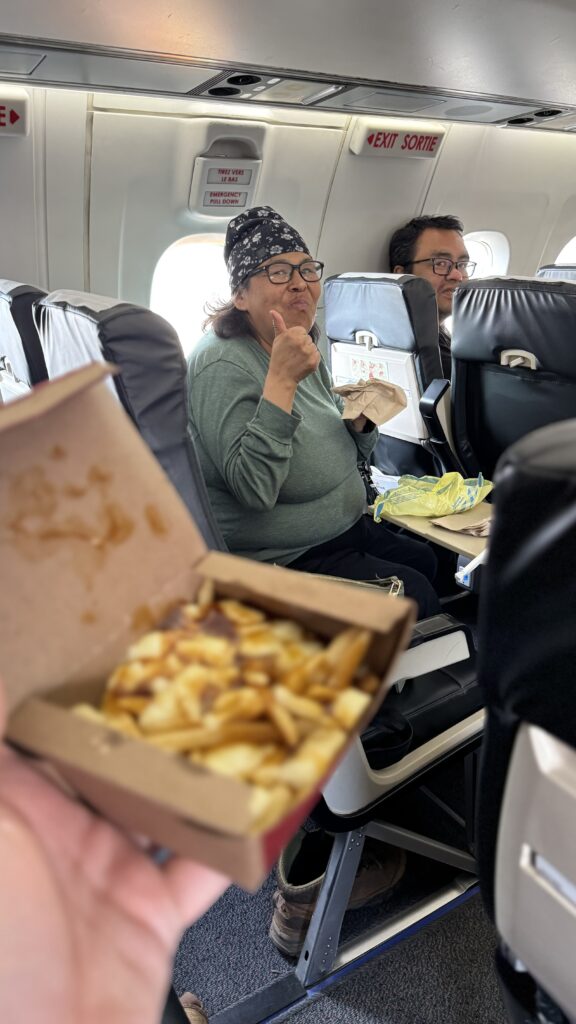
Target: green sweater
279, 483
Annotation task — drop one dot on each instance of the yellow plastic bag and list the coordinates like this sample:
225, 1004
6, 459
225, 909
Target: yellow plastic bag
431, 496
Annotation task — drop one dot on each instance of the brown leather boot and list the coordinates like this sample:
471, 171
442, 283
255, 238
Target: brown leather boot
301, 870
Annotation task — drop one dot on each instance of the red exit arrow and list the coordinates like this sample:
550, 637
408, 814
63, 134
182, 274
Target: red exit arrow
7, 114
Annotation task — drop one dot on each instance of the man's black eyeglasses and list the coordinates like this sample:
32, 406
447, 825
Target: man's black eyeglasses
281, 273
442, 266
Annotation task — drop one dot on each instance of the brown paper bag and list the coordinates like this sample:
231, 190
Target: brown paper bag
378, 400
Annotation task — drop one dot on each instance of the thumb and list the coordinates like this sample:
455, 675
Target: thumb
278, 322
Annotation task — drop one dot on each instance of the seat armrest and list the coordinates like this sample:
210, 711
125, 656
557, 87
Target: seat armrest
435, 411
436, 642
354, 786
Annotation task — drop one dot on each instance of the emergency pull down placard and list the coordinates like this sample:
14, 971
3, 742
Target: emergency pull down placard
396, 138
219, 185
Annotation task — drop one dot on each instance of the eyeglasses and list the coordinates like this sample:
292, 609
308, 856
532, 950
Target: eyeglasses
443, 266
281, 273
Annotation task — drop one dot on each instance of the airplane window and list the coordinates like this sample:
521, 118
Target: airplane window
568, 253
490, 251
189, 274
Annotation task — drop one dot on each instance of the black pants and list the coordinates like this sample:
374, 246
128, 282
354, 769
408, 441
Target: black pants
369, 551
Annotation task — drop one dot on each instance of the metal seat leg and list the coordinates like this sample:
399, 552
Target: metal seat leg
321, 943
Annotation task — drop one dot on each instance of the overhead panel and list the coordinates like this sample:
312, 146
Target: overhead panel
100, 68
522, 50
256, 86
449, 108
19, 62
99, 71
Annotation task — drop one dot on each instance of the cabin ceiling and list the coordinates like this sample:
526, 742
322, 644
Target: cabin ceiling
495, 61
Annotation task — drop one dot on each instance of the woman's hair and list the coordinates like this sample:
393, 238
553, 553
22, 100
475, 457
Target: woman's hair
229, 322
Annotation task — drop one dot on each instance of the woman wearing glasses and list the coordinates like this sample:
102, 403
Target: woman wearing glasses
281, 466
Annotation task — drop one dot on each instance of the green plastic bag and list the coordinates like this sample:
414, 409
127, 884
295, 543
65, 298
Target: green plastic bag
431, 496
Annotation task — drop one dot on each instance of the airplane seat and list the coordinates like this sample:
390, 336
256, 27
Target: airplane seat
513, 364
386, 326
431, 719
557, 272
76, 328
19, 343
527, 792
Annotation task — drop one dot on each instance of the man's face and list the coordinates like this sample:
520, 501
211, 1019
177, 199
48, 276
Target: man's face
438, 243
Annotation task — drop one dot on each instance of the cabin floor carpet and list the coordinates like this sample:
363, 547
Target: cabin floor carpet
442, 975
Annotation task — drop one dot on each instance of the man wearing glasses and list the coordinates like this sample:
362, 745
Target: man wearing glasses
433, 247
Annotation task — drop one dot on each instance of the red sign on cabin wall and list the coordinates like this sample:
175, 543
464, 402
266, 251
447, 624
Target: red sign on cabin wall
393, 138
233, 182
228, 198
14, 113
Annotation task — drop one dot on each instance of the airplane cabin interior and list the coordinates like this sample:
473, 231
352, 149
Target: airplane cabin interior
129, 138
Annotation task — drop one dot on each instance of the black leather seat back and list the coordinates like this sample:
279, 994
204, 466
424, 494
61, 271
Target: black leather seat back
76, 328
494, 405
386, 325
18, 333
527, 639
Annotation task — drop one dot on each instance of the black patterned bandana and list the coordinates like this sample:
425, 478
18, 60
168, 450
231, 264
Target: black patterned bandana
253, 237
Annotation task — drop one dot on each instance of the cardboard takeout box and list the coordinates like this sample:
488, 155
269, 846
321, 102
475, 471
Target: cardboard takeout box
95, 548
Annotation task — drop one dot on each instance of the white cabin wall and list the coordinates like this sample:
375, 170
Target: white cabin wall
141, 171
23, 254
369, 198
68, 135
100, 187
516, 181
42, 194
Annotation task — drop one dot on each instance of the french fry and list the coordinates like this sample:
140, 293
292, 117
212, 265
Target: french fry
122, 722
323, 694
242, 695
350, 655
240, 704
285, 723
313, 670
303, 707
115, 703
349, 706
268, 804
206, 650
90, 713
236, 759
241, 614
163, 713
255, 677
204, 738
